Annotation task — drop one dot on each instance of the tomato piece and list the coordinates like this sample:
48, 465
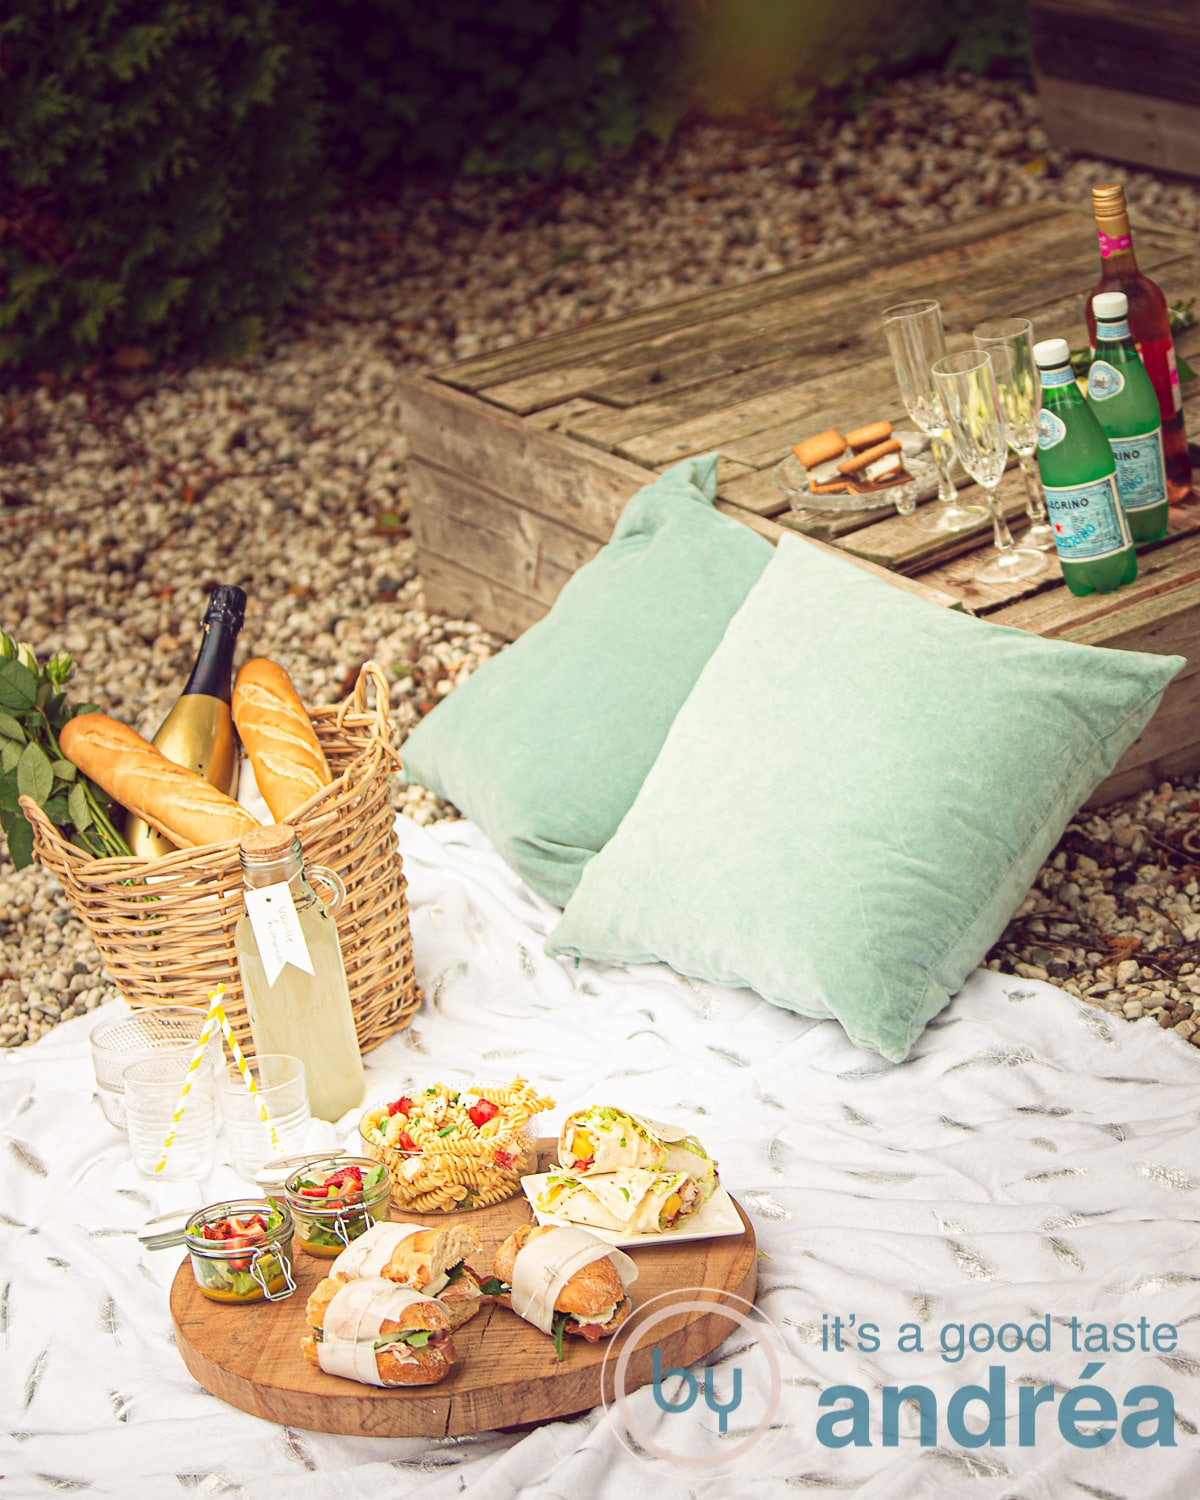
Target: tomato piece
483, 1111
400, 1106
406, 1142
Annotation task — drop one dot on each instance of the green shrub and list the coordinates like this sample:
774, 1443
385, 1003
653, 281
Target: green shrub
160, 162
531, 86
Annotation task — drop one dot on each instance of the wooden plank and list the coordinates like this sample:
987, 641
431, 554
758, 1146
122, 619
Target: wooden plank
1111, 122
540, 541
558, 418
453, 591
727, 469
575, 343
752, 490
1153, 57
1167, 747
514, 547
761, 428
1007, 271
581, 487
801, 321
898, 542
1163, 570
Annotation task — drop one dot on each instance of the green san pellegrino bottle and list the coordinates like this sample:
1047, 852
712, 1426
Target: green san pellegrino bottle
1079, 475
1120, 393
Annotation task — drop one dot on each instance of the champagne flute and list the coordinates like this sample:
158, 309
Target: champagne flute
915, 338
966, 385
1020, 400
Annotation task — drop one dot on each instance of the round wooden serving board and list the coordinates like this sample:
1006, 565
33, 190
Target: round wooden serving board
506, 1373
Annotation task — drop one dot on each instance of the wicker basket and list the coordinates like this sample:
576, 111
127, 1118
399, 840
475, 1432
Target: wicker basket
165, 927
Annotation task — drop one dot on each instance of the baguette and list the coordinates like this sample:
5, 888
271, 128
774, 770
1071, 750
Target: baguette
289, 764
179, 803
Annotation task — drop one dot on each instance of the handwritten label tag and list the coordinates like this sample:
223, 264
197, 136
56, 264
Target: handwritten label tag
277, 931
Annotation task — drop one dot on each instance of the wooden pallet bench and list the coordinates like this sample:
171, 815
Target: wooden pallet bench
521, 460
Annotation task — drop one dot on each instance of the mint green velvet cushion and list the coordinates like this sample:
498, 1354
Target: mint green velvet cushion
546, 745
856, 797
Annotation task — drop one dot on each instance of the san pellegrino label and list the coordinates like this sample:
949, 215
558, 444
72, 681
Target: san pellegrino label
1104, 381
1087, 519
1141, 469
1051, 429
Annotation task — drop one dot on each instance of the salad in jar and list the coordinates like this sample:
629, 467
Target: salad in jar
242, 1251
335, 1200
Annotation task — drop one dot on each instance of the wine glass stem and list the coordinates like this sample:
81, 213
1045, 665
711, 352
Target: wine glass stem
1035, 504
943, 453
1002, 538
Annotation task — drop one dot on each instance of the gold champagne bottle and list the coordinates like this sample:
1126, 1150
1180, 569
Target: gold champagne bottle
198, 732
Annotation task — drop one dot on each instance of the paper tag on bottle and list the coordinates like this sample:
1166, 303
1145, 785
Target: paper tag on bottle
277, 930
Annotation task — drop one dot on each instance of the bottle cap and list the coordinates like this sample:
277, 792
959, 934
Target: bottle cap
1110, 306
1051, 352
1109, 197
226, 605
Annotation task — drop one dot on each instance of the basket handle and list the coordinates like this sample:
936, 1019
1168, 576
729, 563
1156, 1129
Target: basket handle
372, 674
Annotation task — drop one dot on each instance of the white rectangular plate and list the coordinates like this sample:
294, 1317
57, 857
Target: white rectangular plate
717, 1218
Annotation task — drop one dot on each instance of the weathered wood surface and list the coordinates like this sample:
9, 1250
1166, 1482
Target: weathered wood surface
506, 1373
523, 458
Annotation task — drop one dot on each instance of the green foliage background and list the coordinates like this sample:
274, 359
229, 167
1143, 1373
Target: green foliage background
161, 160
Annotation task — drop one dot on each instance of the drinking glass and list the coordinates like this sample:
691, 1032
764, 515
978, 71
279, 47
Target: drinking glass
117, 1043
915, 338
152, 1089
279, 1080
967, 387
1020, 400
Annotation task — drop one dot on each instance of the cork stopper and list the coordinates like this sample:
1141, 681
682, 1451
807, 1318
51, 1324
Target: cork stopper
269, 844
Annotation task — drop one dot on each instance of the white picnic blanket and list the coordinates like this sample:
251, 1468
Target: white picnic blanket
1034, 1162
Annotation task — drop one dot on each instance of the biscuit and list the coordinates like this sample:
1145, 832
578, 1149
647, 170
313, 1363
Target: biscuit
836, 487
867, 437
868, 456
815, 450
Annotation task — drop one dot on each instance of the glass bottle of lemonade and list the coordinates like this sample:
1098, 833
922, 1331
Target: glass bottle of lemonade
292, 972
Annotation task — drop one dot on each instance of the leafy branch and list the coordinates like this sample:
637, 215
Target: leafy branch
33, 710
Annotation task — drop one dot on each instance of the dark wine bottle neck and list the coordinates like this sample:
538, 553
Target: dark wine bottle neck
213, 669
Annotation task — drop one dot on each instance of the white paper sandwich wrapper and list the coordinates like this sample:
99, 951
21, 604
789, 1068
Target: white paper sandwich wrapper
371, 1251
545, 1264
353, 1321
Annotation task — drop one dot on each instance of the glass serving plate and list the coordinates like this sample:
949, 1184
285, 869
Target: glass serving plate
790, 478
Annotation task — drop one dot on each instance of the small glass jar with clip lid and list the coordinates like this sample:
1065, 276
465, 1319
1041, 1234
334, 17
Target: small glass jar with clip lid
334, 1199
241, 1251
292, 972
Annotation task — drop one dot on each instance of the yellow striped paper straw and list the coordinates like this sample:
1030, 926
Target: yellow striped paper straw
211, 1017
243, 1067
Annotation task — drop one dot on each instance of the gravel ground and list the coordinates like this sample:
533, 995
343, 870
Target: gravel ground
125, 503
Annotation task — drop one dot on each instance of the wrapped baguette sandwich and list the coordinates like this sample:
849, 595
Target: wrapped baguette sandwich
179, 803
563, 1281
631, 1200
603, 1139
285, 754
431, 1261
377, 1332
